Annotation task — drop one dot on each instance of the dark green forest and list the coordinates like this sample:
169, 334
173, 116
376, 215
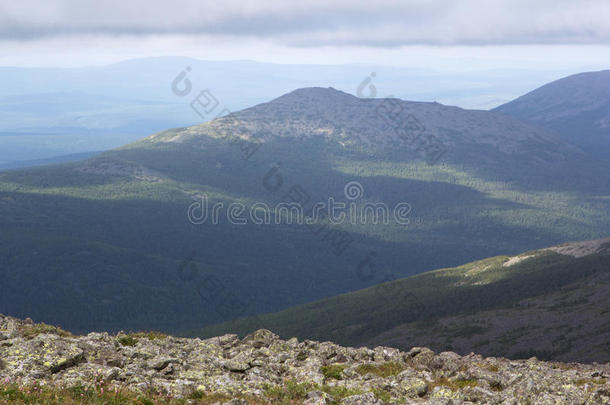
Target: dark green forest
354, 318
106, 244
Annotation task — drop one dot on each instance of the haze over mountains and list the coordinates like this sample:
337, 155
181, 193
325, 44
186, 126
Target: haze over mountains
51, 112
106, 243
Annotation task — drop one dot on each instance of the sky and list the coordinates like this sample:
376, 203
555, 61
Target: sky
468, 53
553, 35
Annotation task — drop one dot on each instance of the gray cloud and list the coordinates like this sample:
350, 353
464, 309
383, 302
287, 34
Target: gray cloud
381, 23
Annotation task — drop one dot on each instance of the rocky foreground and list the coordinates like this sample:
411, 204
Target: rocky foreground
262, 368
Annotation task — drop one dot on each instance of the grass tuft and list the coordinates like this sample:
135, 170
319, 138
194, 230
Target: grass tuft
333, 371
31, 331
128, 340
384, 370
453, 385
150, 335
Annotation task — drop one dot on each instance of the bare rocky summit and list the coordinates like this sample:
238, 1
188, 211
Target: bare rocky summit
384, 123
262, 368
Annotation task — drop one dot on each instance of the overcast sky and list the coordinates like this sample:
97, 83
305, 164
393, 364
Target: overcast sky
560, 35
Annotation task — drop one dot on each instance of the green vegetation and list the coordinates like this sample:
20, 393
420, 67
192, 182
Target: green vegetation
128, 341
132, 338
291, 391
357, 317
103, 394
96, 245
453, 385
99, 394
496, 386
382, 370
382, 395
333, 371
583, 381
150, 335
201, 398
31, 331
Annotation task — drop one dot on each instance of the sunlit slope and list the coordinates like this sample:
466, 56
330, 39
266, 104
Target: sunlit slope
506, 306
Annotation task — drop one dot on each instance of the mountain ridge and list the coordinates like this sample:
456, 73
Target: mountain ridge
575, 106
386, 122
566, 285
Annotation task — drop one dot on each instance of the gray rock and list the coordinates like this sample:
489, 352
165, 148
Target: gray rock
159, 363
260, 338
236, 365
362, 399
232, 367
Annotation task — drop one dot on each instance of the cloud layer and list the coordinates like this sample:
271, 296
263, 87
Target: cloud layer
382, 23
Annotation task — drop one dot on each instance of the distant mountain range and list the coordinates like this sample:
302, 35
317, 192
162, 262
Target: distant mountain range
577, 107
16, 164
50, 112
106, 243
551, 303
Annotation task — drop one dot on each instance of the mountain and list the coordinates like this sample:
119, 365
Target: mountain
577, 107
121, 241
153, 368
477, 140
550, 303
50, 112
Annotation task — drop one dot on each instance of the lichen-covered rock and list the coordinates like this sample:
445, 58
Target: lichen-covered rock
362, 399
260, 338
266, 367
